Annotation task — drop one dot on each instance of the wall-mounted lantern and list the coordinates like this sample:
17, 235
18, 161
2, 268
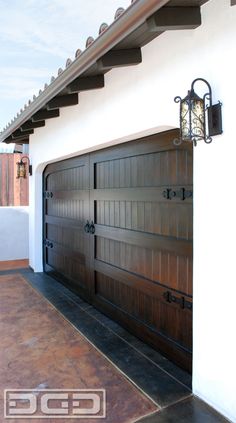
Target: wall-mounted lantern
21, 171
199, 118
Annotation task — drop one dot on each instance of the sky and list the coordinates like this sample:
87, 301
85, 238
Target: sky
36, 38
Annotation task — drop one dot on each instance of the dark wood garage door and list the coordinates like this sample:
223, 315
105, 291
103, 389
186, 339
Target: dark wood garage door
118, 230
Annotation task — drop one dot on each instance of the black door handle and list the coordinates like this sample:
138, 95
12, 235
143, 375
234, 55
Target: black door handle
87, 227
92, 228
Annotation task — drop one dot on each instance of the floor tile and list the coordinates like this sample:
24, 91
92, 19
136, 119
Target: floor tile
144, 349
48, 351
191, 410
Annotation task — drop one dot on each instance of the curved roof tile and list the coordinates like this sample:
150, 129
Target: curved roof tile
119, 12
90, 40
103, 28
78, 53
68, 62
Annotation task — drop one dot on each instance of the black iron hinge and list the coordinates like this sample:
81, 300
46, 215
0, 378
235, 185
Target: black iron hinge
170, 298
47, 243
48, 194
182, 193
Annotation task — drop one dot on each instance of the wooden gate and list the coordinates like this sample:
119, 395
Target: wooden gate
13, 191
118, 230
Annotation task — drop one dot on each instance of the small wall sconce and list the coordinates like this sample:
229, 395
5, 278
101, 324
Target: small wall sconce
199, 118
21, 171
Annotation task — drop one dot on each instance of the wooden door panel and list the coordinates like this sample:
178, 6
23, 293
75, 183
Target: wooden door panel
168, 269
66, 211
148, 309
142, 204
146, 216
137, 266
165, 168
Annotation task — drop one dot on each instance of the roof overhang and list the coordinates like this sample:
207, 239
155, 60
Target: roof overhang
117, 45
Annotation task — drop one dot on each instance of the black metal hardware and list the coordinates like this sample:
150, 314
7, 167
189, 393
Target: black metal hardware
194, 114
215, 119
87, 227
48, 194
92, 228
48, 244
169, 194
170, 298
182, 194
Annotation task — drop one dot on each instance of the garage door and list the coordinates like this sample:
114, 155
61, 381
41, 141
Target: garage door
118, 231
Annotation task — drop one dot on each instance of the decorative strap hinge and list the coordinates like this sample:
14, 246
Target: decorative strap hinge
184, 304
48, 194
47, 243
182, 193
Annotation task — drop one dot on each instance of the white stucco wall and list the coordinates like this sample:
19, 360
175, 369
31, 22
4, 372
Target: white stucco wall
14, 233
138, 101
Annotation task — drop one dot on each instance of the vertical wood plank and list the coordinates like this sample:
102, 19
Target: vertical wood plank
13, 191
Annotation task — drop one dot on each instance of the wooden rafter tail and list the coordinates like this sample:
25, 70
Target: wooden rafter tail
63, 101
19, 134
86, 83
32, 125
118, 58
45, 114
175, 18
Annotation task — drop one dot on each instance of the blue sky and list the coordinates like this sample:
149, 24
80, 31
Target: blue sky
36, 38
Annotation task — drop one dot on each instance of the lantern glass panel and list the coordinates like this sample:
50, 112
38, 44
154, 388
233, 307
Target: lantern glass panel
185, 119
21, 170
197, 118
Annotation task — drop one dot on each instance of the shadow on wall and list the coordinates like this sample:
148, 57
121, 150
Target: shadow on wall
14, 233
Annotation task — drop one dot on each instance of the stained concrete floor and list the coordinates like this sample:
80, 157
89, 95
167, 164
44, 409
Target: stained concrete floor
59, 341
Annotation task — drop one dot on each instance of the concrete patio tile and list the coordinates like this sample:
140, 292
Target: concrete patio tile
40, 348
191, 410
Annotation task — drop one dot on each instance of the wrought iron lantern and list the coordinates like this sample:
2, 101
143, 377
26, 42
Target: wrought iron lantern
199, 118
21, 171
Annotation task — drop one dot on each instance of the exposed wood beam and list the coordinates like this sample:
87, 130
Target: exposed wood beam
86, 83
174, 18
31, 125
63, 101
129, 22
116, 58
45, 114
20, 140
19, 134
